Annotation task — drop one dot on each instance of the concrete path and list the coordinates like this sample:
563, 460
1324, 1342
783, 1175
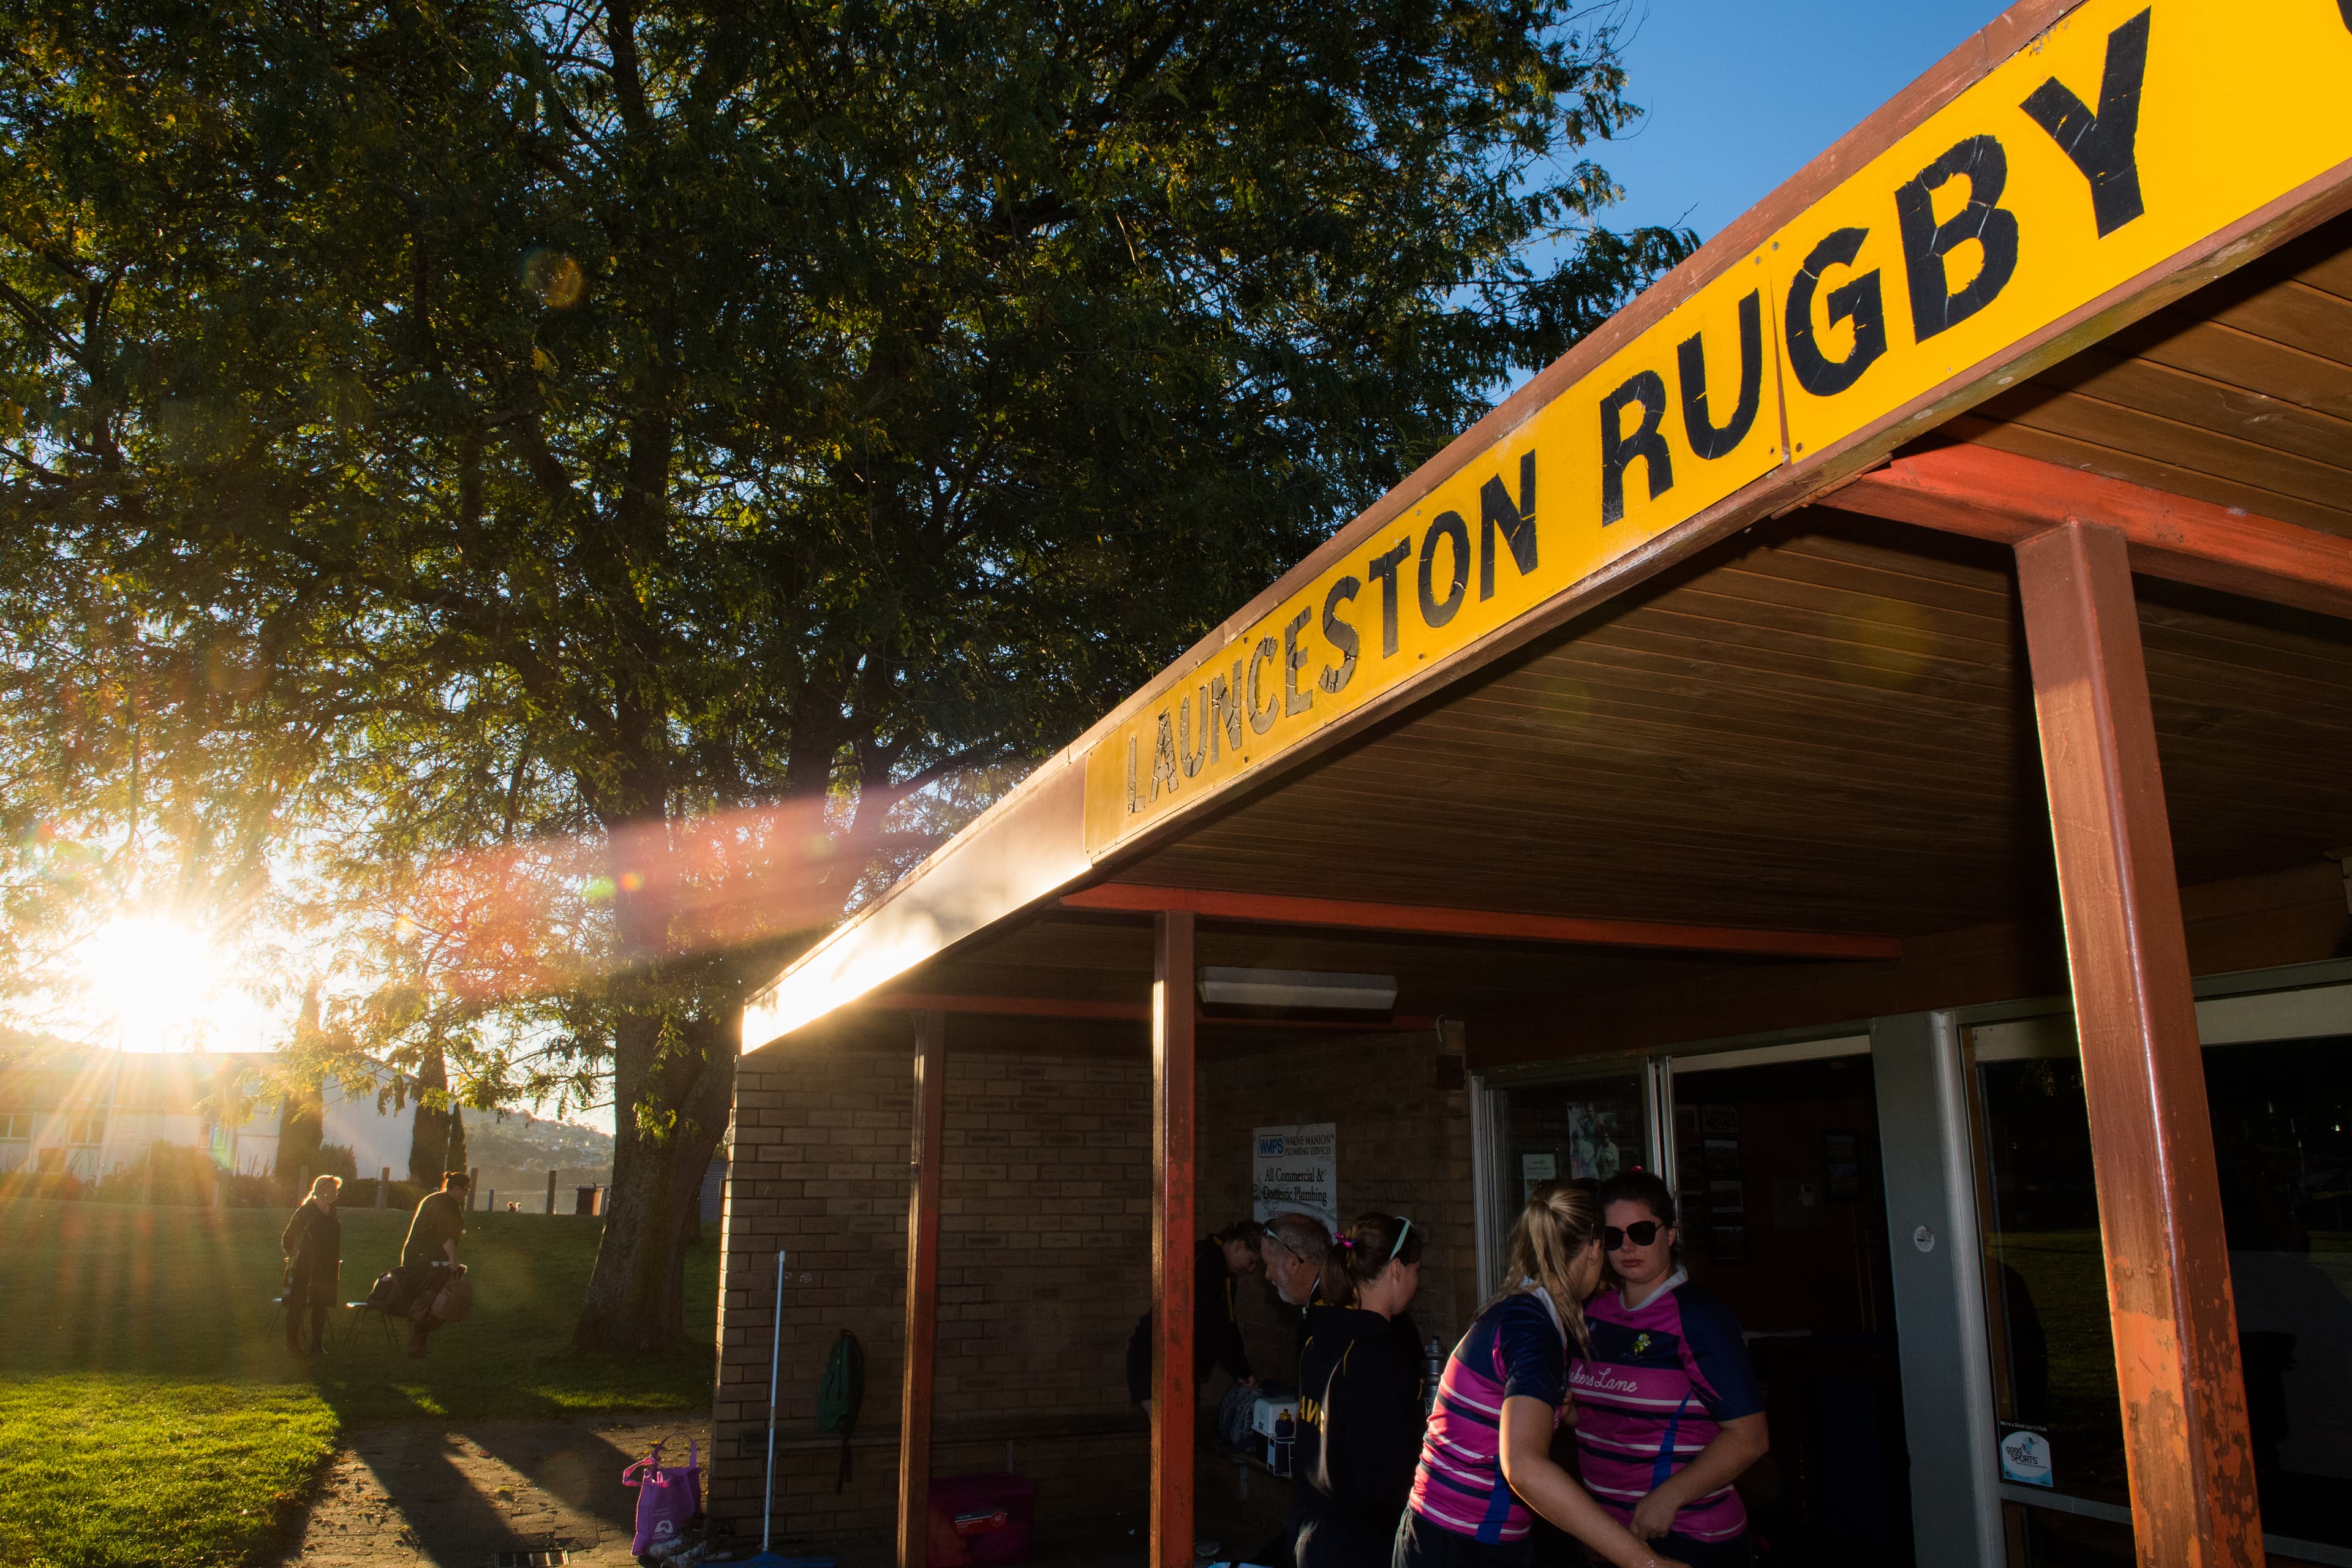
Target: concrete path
459, 1496
409, 1494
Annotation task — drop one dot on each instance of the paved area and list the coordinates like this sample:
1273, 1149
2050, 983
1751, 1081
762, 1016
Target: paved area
411, 1494
458, 1496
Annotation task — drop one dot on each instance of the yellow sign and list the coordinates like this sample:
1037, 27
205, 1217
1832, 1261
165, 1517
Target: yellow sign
2127, 132
2122, 135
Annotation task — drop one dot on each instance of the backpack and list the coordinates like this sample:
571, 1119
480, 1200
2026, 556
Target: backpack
839, 1396
389, 1295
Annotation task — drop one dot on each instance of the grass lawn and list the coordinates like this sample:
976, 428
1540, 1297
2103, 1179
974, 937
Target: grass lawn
151, 1415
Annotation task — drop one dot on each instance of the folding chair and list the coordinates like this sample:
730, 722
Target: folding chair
359, 1312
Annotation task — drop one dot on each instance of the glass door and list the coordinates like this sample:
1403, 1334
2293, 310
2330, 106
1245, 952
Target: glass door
2282, 1118
1538, 1129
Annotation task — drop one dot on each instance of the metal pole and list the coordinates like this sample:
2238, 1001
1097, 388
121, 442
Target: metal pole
775, 1357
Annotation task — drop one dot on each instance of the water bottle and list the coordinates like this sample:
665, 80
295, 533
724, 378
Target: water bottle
1283, 1432
1433, 1374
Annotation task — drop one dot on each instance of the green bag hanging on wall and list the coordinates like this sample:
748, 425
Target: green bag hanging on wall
840, 1395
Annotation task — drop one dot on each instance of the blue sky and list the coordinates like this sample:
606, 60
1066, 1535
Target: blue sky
1741, 93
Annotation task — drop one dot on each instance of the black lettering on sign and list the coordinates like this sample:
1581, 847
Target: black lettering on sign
1185, 754
1163, 758
1857, 301
2346, 6
1261, 715
1435, 611
1342, 636
1706, 439
1647, 388
1293, 699
1225, 710
1935, 305
2105, 146
1384, 569
1518, 522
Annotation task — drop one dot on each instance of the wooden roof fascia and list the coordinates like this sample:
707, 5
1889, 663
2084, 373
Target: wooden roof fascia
1113, 1012
983, 876
1999, 496
1423, 919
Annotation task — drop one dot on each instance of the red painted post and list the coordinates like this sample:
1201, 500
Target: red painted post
2176, 1336
1172, 1006
922, 1292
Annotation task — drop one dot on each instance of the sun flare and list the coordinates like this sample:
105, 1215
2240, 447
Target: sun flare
158, 981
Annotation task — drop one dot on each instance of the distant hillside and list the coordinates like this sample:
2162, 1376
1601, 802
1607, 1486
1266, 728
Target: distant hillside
525, 1142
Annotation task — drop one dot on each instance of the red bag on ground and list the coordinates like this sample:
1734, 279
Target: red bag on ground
666, 1497
980, 1521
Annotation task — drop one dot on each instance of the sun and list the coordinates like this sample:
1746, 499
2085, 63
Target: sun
157, 981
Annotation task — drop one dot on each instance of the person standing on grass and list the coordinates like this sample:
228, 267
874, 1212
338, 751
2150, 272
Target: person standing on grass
312, 1242
430, 1255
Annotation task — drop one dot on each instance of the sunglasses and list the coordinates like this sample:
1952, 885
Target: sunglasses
1274, 1236
1641, 1233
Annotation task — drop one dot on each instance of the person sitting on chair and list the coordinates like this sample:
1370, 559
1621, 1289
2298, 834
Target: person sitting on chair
312, 1242
430, 1257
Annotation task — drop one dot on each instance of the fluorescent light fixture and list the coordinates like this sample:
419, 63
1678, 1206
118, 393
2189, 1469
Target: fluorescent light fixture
1298, 988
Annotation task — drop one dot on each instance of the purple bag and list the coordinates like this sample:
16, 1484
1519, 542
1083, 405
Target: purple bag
666, 1497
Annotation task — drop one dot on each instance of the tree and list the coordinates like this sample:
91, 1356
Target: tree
668, 461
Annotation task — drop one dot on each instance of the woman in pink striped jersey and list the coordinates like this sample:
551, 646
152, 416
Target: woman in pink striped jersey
1486, 1466
1668, 1411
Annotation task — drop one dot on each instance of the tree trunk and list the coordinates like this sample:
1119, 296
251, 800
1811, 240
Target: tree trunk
636, 1293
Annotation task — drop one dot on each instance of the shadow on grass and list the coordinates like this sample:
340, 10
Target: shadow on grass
142, 1344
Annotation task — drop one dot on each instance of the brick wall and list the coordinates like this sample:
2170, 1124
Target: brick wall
1404, 1148
1044, 1262
1044, 1250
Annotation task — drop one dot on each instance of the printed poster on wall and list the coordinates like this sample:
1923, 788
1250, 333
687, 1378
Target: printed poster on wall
1534, 1170
1296, 1170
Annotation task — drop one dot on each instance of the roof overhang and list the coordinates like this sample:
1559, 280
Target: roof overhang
1948, 248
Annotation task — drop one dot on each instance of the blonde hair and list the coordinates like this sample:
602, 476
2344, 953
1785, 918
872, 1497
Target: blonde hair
1561, 1219
326, 1186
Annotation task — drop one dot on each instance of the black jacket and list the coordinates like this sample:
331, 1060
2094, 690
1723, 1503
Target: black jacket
1401, 1329
313, 1239
1361, 1423
1216, 1326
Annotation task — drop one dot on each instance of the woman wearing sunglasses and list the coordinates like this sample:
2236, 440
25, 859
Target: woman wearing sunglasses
1359, 1410
1668, 1409
1485, 1464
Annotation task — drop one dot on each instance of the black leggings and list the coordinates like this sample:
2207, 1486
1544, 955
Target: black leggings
1421, 1544
308, 1298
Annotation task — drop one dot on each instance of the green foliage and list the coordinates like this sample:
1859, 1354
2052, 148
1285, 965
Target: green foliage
564, 499
150, 1413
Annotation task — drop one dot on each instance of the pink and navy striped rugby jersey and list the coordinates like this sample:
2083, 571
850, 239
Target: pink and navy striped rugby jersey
1662, 1379
1516, 1348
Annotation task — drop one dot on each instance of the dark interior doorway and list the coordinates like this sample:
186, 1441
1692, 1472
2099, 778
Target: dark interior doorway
1785, 1220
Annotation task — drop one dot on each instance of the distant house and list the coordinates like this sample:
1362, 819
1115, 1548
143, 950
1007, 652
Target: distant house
80, 1110
83, 1110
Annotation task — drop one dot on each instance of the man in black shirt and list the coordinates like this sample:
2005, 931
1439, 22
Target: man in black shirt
430, 1255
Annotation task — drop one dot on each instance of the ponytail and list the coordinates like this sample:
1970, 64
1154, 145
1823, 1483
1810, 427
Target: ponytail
1361, 1254
1561, 1219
